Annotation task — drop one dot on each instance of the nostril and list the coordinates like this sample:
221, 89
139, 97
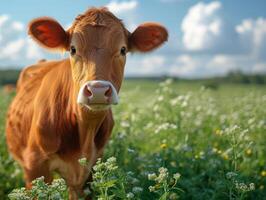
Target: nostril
87, 91
108, 92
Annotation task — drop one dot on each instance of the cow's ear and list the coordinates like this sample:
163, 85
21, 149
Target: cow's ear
147, 36
49, 33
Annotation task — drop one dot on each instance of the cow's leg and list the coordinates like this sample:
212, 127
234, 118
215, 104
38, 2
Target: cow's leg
75, 177
35, 166
77, 191
74, 192
31, 174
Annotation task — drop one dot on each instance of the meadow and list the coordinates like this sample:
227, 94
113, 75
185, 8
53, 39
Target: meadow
172, 140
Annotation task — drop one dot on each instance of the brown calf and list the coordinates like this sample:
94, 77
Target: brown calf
9, 88
62, 108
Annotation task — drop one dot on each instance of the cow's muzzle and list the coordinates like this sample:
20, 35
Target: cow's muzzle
97, 95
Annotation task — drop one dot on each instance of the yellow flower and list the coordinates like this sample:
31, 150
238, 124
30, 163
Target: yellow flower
218, 132
215, 144
263, 173
225, 156
163, 146
248, 152
261, 187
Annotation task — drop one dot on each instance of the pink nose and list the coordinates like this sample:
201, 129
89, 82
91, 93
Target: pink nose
98, 93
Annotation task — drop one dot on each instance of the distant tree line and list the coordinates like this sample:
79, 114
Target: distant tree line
236, 77
10, 76
240, 77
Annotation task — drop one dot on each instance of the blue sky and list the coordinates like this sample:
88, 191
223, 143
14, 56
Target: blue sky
206, 37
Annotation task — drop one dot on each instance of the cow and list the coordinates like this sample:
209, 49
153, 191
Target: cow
9, 88
62, 108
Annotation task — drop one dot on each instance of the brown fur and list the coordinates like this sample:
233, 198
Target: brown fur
46, 129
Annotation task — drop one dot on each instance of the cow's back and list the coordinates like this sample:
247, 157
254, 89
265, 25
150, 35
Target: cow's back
20, 112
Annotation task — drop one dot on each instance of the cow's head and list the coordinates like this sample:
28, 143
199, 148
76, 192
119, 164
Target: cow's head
98, 43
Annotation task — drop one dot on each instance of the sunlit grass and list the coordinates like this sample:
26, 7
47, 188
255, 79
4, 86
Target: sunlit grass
206, 144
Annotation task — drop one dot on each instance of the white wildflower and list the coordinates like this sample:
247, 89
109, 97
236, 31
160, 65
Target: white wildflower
137, 190
83, 161
152, 176
152, 188
176, 176
163, 174
251, 186
130, 195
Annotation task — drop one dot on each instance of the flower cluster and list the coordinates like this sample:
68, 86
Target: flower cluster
165, 126
240, 187
57, 190
164, 184
244, 187
103, 170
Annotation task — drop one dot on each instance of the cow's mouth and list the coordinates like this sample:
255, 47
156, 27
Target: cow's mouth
98, 107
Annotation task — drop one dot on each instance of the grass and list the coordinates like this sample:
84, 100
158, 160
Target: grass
174, 140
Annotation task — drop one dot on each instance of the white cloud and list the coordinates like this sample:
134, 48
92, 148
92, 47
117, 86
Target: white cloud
17, 26
17, 49
151, 64
127, 11
33, 51
259, 68
253, 36
190, 66
3, 19
223, 47
210, 46
12, 49
202, 26
183, 65
121, 7
145, 65
221, 64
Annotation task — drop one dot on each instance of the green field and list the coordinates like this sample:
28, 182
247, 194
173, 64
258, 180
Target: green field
214, 138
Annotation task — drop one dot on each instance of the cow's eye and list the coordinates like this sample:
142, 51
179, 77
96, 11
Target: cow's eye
123, 51
72, 50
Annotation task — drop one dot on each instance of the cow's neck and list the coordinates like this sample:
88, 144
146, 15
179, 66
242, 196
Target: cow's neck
89, 123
